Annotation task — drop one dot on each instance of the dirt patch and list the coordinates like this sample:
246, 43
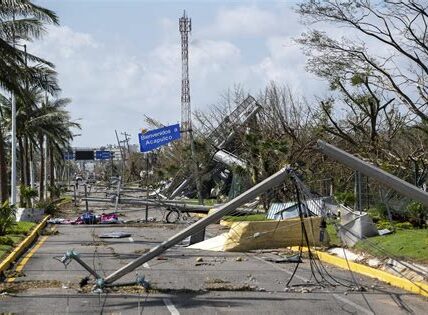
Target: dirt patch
14, 274
230, 287
216, 281
16, 287
141, 251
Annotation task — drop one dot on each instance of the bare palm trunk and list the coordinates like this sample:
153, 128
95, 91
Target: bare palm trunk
51, 171
27, 162
21, 160
4, 189
32, 179
42, 170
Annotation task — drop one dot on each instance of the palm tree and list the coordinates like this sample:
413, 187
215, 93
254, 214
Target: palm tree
54, 122
21, 20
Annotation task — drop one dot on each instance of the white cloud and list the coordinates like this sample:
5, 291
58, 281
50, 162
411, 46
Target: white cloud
245, 21
114, 88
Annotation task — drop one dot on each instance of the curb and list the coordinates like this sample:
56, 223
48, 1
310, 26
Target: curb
402, 283
23, 246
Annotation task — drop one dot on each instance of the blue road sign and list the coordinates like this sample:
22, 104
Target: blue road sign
103, 155
68, 156
156, 138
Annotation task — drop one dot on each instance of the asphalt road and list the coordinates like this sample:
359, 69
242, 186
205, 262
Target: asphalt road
186, 281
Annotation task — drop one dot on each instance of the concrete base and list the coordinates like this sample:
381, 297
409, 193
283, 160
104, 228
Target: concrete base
355, 226
29, 214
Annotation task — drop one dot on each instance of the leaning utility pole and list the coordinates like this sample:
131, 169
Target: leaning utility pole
185, 27
127, 137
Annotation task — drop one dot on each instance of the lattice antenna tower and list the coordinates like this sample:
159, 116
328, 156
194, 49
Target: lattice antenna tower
185, 27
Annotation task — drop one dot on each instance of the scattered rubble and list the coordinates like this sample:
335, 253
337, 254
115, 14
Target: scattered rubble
16, 287
50, 231
14, 274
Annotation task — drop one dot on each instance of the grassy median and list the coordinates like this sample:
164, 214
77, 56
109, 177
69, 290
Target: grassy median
404, 244
14, 235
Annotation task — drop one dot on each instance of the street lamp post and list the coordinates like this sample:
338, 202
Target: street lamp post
13, 157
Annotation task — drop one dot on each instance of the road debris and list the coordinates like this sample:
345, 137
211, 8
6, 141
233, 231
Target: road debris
88, 218
230, 287
161, 258
289, 259
14, 274
115, 234
141, 251
50, 231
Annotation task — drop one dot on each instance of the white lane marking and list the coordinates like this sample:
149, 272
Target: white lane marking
146, 265
171, 307
355, 305
341, 298
131, 239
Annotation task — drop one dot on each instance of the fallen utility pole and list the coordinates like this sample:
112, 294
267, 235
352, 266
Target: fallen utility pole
370, 170
177, 204
247, 196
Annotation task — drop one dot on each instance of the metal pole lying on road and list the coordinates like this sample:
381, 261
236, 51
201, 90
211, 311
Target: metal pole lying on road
247, 196
370, 170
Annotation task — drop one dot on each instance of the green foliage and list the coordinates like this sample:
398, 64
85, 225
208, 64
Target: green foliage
418, 214
332, 233
378, 212
50, 206
358, 78
7, 217
56, 190
347, 198
6, 240
250, 217
20, 228
404, 244
384, 224
404, 226
26, 193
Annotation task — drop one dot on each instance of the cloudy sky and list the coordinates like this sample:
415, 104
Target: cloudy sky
120, 59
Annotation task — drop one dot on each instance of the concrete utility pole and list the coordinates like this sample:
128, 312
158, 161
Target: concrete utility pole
122, 155
270, 182
399, 185
127, 137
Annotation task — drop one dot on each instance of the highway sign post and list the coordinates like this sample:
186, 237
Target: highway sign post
156, 138
103, 155
68, 156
